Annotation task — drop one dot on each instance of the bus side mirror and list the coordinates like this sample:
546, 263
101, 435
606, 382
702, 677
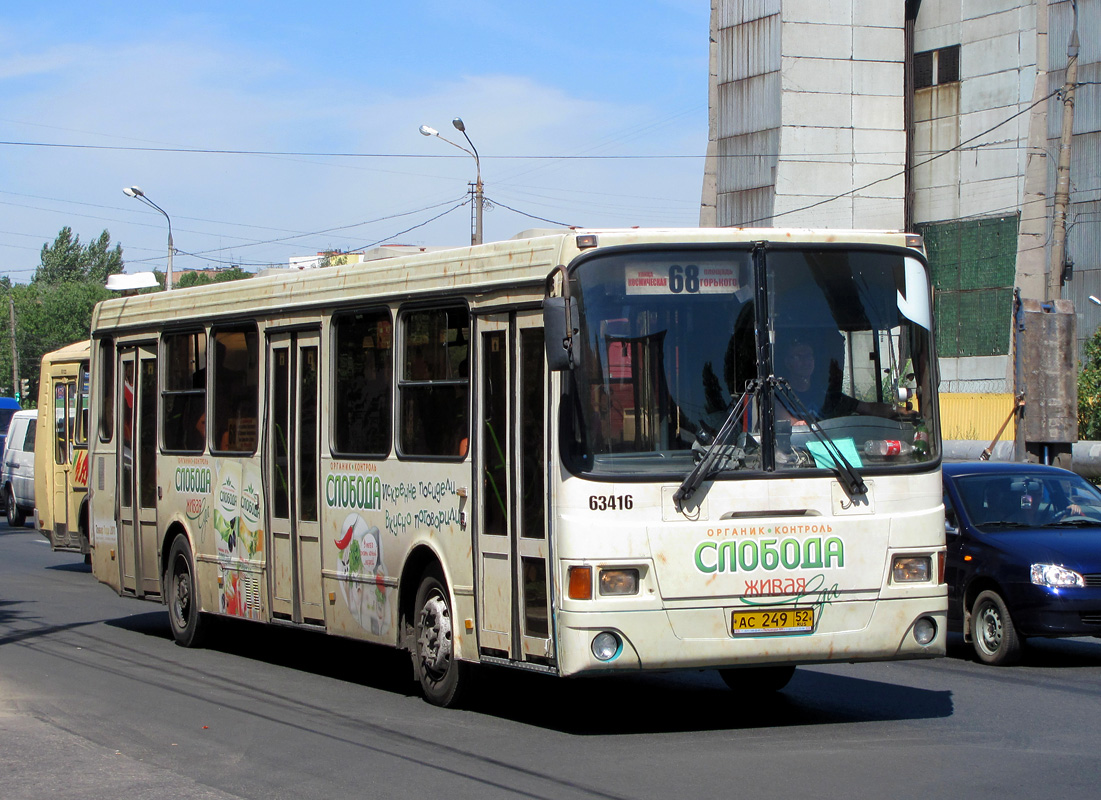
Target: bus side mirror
559, 314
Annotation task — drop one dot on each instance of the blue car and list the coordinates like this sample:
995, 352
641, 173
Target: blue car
1024, 555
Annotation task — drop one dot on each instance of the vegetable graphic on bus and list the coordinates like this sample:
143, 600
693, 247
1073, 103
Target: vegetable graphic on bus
362, 573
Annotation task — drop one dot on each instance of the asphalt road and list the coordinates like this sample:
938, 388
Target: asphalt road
96, 701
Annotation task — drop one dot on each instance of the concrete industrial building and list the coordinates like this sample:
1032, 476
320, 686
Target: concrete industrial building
939, 116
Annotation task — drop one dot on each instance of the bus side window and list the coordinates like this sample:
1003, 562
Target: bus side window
184, 394
362, 390
106, 382
434, 388
235, 390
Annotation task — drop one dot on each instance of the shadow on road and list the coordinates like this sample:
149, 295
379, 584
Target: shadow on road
630, 704
76, 566
695, 701
1074, 653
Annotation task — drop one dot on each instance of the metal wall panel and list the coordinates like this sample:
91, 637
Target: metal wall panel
976, 416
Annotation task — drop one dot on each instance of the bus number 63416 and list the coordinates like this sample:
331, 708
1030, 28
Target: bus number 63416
611, 502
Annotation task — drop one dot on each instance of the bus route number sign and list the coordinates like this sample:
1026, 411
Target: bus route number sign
771, 620
682, 279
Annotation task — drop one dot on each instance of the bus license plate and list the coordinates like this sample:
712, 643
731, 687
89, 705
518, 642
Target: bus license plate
772, 620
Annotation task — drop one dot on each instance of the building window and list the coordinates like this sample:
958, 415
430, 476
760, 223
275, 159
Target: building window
923, 69
936, 67
948, 64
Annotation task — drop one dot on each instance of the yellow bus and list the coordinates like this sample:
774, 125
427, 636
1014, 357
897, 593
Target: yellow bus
61, 449
574, 452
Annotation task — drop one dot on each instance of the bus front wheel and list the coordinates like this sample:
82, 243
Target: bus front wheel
181, 596
761, 679
442, 677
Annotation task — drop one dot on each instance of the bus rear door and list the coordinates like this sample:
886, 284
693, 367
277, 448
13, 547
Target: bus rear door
292, 441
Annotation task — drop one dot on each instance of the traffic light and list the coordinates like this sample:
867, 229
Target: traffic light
24, 389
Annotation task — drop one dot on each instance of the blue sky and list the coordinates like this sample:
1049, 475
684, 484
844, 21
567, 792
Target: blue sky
584, 113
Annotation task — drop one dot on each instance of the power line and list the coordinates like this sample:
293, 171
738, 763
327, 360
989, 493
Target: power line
904, 171
533, 216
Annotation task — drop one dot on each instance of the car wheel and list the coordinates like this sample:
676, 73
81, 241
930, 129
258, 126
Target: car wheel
16, 518
182, 597
992, 632
757, 679
443, 678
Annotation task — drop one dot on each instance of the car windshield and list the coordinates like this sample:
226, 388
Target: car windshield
1006, 501
671, 339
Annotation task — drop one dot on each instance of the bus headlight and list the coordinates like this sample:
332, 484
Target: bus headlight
606, 646
911, 569
619, 581
925, 631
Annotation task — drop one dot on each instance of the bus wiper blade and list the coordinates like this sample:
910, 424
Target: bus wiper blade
851, 480
718, 448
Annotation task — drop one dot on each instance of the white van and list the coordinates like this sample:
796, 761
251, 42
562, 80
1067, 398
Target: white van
18, 472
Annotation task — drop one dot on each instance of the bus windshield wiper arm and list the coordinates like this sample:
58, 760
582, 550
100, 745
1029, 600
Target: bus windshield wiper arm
718, 447
851, 480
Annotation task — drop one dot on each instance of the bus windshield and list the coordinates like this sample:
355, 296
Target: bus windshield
671, 340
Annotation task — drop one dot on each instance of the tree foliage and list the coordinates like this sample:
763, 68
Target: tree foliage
55, 308
68, 261
1089, 390
195, 278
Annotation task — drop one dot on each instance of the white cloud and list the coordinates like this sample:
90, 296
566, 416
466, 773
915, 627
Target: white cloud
202, 91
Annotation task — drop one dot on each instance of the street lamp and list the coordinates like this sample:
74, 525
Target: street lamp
476, 237
136, 192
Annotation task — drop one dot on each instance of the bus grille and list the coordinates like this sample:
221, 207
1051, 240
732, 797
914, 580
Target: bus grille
1093, 579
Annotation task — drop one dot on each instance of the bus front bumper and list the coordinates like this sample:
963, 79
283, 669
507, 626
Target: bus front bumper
701, 638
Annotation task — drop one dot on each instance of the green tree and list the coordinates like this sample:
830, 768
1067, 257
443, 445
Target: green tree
195, 278
55, 308
1089, 390
67, 260
49, 317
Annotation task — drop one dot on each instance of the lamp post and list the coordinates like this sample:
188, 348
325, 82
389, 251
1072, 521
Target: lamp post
476, 236
136, 192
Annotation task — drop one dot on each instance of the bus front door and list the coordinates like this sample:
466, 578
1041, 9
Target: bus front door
137, 478
292, 463
513, 554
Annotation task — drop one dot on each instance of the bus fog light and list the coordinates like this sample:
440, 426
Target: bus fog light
619, 581
925, 630
911, 569
606, 646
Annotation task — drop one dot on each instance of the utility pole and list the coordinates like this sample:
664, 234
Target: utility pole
1062, 172
14, 351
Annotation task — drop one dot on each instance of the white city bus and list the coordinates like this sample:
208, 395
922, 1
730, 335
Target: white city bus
575, 452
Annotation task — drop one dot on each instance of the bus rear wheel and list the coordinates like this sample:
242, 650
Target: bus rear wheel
188, 628
761, 679
442, 677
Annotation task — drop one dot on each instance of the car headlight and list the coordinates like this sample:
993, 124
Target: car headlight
1055, 576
